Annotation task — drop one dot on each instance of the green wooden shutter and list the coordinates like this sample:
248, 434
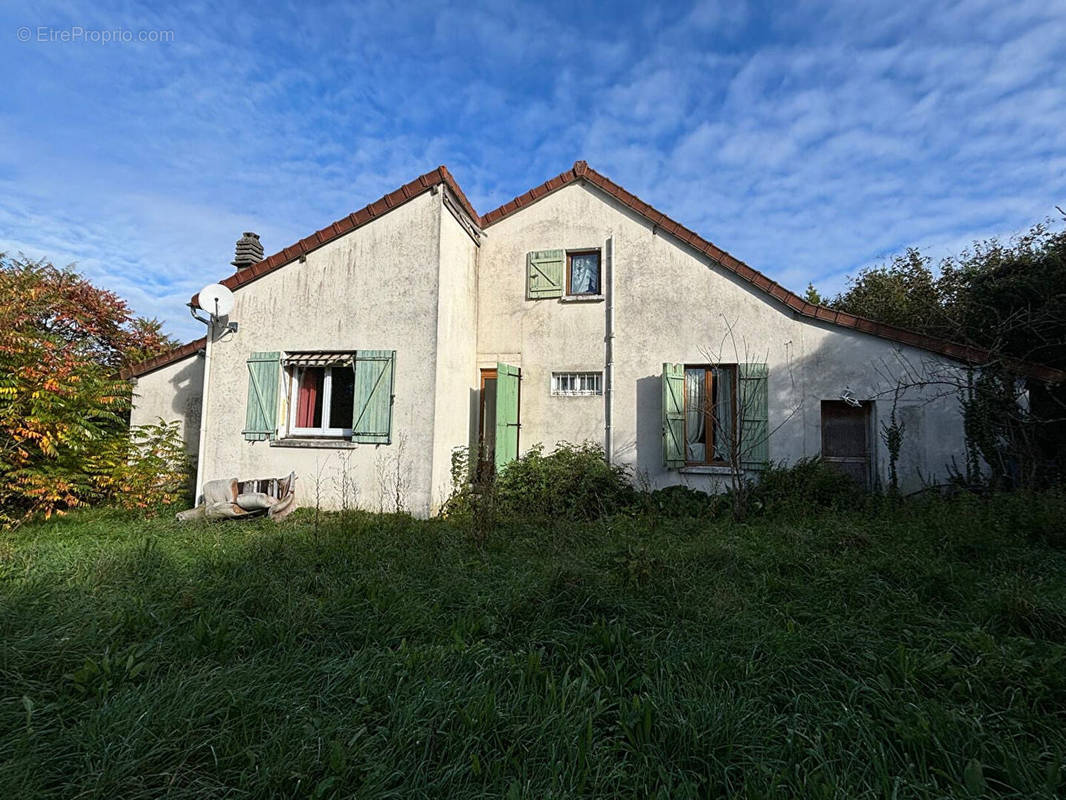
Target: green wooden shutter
754, 415
673, 415
372, 409
261, 416
507, 396
545, 274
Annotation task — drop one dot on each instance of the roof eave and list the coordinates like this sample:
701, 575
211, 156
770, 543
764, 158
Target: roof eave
581, 171
142, 368
345, 225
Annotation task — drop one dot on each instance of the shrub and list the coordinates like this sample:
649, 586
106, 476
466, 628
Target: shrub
473, 497
808, 485
148, 469
677, 502
573, 482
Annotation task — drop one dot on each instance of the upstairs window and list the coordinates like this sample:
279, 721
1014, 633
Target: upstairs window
573, 274
577, 384
583, 272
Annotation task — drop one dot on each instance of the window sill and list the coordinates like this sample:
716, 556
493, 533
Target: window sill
323, 443
707, 469
582, 298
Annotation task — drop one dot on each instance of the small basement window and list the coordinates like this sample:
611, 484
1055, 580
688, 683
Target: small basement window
577, 384
583, 272
321, 391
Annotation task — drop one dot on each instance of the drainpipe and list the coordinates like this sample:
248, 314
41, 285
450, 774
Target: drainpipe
608, 367
203, 405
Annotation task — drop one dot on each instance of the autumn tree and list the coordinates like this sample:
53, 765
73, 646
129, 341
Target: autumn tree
63, 342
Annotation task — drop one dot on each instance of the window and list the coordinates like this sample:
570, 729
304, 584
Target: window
323, 395
710, 413
321, 398
583, 272
577, 384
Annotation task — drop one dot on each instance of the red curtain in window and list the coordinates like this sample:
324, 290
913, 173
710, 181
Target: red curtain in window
310, 387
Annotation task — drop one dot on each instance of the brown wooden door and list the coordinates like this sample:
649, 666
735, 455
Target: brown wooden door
487, 421
846, 438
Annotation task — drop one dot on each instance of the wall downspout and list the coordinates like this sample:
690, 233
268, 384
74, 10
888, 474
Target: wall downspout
201, 447
608, 367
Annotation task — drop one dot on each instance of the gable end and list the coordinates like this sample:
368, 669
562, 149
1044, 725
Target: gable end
582, 172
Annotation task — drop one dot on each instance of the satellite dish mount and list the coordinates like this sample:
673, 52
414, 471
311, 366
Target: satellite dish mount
217, 301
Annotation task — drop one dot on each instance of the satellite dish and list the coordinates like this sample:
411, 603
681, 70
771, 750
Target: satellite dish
216, 300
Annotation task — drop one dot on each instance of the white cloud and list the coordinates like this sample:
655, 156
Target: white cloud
808, 141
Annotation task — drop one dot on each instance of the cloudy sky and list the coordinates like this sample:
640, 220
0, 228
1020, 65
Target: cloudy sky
807, 141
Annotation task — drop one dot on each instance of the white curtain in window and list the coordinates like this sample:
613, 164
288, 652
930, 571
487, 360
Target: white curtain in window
695, 415
584, 274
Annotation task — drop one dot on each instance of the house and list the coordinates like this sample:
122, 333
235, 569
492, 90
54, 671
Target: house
169, 387
366, 353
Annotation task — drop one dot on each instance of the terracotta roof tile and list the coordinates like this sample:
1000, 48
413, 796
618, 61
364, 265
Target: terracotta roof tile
161, 360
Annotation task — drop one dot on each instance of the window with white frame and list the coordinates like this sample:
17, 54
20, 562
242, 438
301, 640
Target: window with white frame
577, 384
321, 392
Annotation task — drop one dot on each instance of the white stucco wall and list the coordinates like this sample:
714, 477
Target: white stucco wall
172, 393
542, 336
456, 374
673, 304
375, 288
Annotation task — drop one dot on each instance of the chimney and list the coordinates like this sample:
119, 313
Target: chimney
249, 251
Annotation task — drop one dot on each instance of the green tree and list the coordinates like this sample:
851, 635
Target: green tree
1008, 298
903, 292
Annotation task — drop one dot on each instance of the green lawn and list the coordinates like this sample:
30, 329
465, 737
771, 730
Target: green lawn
915, 653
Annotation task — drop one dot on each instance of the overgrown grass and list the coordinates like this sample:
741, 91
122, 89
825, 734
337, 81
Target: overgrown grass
917, 653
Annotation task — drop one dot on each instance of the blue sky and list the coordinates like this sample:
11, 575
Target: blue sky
808, 139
